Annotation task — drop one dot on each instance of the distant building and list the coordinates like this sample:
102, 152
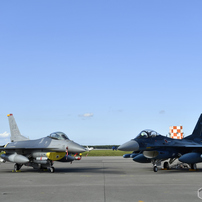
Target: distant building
176, 132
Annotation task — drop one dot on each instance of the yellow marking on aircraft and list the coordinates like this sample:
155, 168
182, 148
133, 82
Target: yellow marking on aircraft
54, 156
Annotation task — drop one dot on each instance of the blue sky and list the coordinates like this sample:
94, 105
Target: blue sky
100, 71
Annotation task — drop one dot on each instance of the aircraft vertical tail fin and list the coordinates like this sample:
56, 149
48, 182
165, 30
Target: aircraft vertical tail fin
197, 132
15, 133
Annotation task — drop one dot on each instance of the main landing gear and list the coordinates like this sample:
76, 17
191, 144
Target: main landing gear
193, 166
166, 165
49, 166
17, 167
52, 169
169, 165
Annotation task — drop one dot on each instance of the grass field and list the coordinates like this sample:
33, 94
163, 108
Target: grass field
105, 153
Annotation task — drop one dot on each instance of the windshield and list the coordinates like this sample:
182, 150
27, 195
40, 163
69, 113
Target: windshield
59, 136
147, 134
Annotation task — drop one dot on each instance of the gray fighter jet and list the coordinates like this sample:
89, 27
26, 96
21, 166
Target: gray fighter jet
149, 146
39, 153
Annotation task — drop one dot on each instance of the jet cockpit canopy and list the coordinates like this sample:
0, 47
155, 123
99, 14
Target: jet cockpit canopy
58, 136
147, 134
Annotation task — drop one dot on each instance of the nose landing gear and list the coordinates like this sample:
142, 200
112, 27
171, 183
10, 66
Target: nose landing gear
155, 164
155, 168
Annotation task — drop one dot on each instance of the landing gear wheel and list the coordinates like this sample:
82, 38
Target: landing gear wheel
166, 165
17, 167
155, 168
52, 169
193, 166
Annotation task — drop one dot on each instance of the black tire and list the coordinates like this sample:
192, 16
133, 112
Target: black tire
52, 169
155, 168
193, 166
166, 165
16, 167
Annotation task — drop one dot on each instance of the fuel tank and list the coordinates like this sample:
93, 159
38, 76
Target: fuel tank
126, 155
141, 159
130, 155
133, 155
191, 158
15, 158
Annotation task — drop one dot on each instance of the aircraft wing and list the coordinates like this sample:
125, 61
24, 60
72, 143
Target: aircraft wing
2, 148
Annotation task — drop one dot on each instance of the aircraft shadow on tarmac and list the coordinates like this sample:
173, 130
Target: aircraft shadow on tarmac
99, 170
105, 170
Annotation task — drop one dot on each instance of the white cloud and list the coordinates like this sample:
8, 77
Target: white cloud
86, 115
5, 134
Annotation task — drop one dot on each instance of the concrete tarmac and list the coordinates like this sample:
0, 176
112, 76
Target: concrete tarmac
99, 179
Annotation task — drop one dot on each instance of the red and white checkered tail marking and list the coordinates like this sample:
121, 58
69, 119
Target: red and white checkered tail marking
176, 132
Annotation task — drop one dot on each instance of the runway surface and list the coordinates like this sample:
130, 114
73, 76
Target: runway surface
100, 179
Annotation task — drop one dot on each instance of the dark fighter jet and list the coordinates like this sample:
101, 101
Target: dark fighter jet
39, 153
149, 146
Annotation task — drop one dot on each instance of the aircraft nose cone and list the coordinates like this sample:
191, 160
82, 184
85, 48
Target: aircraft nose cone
131, 145
73, 147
